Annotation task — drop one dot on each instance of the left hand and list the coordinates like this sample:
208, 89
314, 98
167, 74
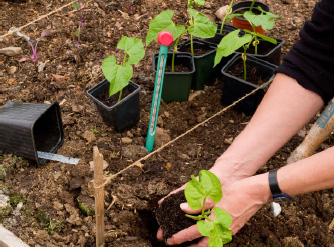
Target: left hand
241, 199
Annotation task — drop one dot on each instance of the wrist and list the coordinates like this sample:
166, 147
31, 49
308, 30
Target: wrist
260, 186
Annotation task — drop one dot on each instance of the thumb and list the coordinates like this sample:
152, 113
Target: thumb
185, 207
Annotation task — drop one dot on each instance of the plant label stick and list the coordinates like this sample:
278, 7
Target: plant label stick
165, 38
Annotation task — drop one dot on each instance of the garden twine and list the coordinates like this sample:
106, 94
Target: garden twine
138, 162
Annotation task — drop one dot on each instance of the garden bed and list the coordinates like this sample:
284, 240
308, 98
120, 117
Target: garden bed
50, 192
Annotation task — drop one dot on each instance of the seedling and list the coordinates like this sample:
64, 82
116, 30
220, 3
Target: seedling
119, 75
77, 6
196, 193
231, 42
34, 42
130, 5
199, 26
228, 12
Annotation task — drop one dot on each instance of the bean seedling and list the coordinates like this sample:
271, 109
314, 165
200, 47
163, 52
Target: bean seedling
33, 43
78, 6
199, 26
231, 42
120, 75
196, 193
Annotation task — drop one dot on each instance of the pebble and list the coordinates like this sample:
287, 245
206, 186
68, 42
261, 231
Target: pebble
12, 69
89, 136
161, 137
126, 140
11, 51
129, 134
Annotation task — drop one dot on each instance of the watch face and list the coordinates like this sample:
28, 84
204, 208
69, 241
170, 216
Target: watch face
281, 197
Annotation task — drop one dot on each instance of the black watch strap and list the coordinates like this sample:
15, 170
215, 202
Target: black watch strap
273, 184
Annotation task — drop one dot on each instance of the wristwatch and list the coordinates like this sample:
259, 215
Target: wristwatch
278, 195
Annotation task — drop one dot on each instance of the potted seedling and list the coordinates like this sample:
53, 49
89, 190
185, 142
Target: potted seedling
238, 10
199, 26
117, 97
236, 81
196, 193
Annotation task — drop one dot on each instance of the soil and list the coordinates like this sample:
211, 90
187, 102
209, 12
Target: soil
113, 99
52, 194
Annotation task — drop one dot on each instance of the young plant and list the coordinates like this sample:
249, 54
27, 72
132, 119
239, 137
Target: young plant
231, 42
78, 6
227, 13
199, 26
196, 193
120, 75
34, 42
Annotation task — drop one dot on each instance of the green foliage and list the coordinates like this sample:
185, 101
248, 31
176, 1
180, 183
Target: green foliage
196, 192
50, 225
85, 209
162, 22
201, 25
265, 19
229, 44
120, 75
15, 199
76, 5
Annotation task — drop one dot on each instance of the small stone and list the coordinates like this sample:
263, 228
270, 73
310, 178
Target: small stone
228, 140
41, 67
89, 136
161, 137
201, 118
231, 121
166, 113
160, 122
221, 12
12, 69
11, 51
195, 94
126, 140
129, 134
58, 206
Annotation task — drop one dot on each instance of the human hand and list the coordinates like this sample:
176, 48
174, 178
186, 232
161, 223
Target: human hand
241, 199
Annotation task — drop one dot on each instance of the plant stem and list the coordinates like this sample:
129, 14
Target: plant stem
175, 48
244, 61
203, 207
191, 45
228, 12
120, 95
255, 40
251, 7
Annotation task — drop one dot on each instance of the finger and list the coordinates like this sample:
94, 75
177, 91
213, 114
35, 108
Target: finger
160, 236
173, 192
185, 235
203, 243
185, 207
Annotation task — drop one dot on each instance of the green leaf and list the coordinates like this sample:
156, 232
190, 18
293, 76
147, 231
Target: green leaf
266, 38
77, 32
211, 185
133, 47
202, 27
208, 185
162, 22
197, 2
76, 5
229, 44
264, 20
217, 230
118, 75
194, 193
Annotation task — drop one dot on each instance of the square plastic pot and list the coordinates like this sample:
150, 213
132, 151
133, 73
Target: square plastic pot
226, 30
124, 114
235, 88
176, 85
26, 128
203, 63
273, 54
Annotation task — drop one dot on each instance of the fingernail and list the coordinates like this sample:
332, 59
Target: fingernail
184, 206
169, 241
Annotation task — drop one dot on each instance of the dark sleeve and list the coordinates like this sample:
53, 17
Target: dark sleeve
311, 59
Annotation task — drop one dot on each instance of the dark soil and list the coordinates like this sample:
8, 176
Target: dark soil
253, 73
50, 214
113, 99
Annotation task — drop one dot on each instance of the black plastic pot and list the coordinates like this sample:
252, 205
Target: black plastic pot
235, 88
273, 54
124, 114
240, 8
203, 63
176, 85
26, 128
226, 30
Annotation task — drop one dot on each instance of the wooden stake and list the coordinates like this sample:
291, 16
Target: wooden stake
99, 196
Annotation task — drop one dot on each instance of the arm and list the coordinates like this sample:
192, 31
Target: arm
243, 198
284, 110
